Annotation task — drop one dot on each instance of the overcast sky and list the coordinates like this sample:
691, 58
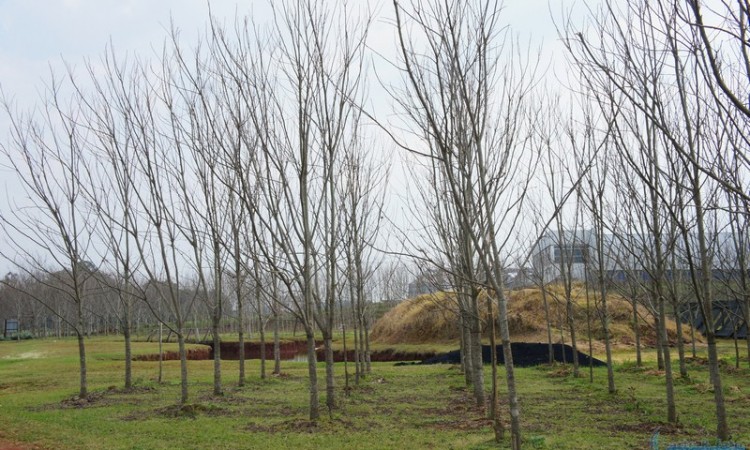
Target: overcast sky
36, 35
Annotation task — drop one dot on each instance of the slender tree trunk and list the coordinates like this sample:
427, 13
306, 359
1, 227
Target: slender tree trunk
330, 386
659, 341
161, 354
611, 388
262, 333
362, 355
345, 355
241, 339
357, 347
83, 391
477, 367
692, 331
276, 344
215, 330
570, 314
562, 341
550, 344
368, 362
128, 351
312, 370
466, 347
722, 429
183, 367
671, 408
588, 331
197, 338
497, 423
680, 343
514, 405
608, 349
637, 331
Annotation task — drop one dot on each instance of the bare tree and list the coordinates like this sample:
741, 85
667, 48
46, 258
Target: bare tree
363, 194
593, 191
158, 239
459, 81
53, 234
112, 192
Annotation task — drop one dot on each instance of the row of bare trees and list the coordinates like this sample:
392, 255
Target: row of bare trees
242, 168
669, 83
651, 159
235, 164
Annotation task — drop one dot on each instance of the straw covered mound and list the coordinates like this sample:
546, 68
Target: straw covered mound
433, 318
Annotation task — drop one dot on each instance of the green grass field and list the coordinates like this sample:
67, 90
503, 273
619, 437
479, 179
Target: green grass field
395, 407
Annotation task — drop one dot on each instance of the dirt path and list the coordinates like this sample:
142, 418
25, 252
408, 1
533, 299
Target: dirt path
6, 444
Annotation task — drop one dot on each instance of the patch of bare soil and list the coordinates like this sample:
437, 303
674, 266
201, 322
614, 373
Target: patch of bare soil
10, 445
723, 364
293, 426
191, 411
130, 390
96, 399
223, 399
466, 424
309, 427
461, 413
562, 371
93, 399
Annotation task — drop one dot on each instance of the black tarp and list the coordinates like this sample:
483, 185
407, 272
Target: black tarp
524, 355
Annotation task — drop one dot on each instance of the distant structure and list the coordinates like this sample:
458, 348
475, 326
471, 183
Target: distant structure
10, 328
432, 281
569, 251
574, 251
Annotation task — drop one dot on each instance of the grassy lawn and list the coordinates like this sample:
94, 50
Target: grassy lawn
395, 407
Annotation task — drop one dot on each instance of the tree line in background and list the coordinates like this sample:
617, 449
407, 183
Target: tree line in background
236, 180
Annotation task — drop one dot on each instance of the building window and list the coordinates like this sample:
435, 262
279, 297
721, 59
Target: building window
573, 253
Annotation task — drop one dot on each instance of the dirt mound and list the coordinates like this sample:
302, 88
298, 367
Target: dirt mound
422, 319
432, 318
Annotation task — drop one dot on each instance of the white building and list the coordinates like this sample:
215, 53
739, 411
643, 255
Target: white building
575, 251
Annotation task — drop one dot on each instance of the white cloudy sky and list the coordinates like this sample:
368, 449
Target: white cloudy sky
36, 35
